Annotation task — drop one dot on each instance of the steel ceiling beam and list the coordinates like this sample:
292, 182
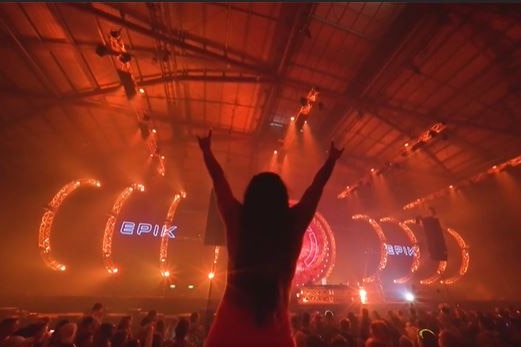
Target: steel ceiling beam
410, 135
410, 113
401, 32
400, 41
290, 40
179, 40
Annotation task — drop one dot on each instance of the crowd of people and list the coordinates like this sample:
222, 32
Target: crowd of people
445, 326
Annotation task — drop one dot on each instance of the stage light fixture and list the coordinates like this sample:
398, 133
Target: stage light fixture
102, 50
116, 34
63, 268
275, 151
191, 286
292, 118
211, 275
406, 144
141, 90
172, 286
125, 58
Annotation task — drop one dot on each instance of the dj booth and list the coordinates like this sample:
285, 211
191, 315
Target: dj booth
326, 295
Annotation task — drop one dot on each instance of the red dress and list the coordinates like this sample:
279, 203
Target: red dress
234, 324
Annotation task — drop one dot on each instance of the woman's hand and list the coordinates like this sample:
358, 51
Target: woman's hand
335, 153
205, 142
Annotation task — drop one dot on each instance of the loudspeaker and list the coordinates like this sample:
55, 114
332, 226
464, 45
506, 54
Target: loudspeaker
435, 240
215, 234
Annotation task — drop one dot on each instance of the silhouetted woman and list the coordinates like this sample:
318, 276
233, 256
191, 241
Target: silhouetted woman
264, 238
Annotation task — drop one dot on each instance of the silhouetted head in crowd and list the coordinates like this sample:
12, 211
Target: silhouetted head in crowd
55, 336
181, 329
8, 326
447, 338
404, 341
380, 331
97, 312
427, 338
67, 334
86, 330
34, 330
125, 323
149, 318
315, 341
107, 330
329, 315
160, 327
120, 338
486, 323
194, 318
345, 325
104, 335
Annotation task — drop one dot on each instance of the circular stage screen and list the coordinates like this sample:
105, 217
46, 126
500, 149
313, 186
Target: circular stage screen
317, 256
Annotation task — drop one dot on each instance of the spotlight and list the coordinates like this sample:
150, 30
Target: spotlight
165, 274
183, 194
211, 275
172, 286
275, 151
162, 157
154, 131
62, 268
451, 187
406, 145
372, 170
98, 184
141, 90
292, 119
363, 295
409, 296
191, 286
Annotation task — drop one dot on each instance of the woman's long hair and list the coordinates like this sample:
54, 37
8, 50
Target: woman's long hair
263, 241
